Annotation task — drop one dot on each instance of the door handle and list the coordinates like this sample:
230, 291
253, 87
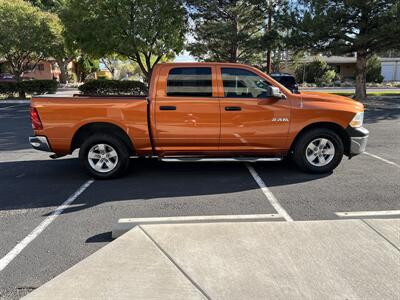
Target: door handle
167, 107
232, 108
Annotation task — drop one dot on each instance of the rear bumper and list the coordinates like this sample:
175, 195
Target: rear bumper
40, 143
358, 140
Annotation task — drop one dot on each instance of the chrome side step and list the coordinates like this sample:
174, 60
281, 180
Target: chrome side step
219, 159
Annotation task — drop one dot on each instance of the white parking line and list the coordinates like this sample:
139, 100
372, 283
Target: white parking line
382, 159
271, 198
11, 106
42, 226
16, 101
368, 213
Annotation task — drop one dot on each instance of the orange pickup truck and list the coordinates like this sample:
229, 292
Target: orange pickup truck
201, 112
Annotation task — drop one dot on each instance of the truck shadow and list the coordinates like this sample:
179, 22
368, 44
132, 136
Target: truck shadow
382, 108
172, 187
15, 127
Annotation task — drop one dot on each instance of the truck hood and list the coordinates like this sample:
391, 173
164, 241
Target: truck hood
324, 97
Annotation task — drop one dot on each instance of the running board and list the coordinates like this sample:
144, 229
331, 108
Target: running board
219, 159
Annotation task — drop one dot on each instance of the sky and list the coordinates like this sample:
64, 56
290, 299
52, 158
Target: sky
184, 57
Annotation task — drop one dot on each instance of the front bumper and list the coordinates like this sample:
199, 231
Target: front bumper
40, 143
358, 140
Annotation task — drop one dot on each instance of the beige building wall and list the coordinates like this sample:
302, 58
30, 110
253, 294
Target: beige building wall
43, 71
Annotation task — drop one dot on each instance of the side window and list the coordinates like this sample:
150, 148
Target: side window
189, 82
240, 83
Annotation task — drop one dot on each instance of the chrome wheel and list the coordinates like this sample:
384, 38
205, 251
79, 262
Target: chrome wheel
320, 152
103, 158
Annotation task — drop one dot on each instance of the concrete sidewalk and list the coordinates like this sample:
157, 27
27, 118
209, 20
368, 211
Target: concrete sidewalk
345, 259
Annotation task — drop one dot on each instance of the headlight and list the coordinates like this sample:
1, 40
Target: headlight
357, 120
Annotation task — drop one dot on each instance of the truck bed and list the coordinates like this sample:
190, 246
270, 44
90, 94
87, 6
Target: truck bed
62, 117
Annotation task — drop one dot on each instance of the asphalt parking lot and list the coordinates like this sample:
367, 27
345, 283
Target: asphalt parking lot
32, 187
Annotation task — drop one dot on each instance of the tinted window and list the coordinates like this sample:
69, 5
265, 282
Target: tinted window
189, 82
285, 79
240, 83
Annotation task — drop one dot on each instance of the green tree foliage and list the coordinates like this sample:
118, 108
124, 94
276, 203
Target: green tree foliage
66, 49
48, 5
131, 28
374, 69
228, 30
276, 25
86, 65
346, 26
27, 35
312, 71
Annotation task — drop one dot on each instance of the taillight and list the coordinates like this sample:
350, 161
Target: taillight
36, 123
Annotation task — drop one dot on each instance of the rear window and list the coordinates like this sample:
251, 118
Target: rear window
189, 82
285, 79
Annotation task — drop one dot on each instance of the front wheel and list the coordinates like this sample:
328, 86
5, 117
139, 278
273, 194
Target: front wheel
318, 151
104, 156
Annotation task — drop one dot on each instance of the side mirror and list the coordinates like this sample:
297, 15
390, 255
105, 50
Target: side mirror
275, 92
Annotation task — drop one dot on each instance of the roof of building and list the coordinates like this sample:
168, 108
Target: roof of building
345, 59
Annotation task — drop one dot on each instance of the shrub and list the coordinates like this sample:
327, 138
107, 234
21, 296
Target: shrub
374, 70
113, 87
327, 77
8, 87
38, 86
29, 87
311, 72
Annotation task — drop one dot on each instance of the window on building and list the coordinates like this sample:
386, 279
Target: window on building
189, 82
40, 67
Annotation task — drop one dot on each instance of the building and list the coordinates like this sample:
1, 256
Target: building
45, 70
346, 66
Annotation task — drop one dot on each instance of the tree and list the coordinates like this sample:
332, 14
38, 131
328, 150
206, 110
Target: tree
66, 49
374, 69
131, 28
312, 71
228, 30
347, 26
277, 22
86, 65
27, 35
48, 5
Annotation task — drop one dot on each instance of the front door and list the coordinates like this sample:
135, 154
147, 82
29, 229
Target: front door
251, 122
187, 112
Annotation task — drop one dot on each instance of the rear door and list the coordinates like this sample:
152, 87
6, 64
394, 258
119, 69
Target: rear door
187, 111
251, 122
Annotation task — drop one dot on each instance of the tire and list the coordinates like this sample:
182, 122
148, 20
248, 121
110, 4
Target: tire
313, 151
104, 156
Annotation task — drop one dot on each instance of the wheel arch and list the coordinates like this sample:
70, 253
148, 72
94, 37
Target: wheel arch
338, 129
101, 127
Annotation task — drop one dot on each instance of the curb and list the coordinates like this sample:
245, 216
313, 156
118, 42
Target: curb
124, 225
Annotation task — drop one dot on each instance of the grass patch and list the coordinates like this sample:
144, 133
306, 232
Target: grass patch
388, 93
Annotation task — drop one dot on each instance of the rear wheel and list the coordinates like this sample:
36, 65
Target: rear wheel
104, 156
318, 151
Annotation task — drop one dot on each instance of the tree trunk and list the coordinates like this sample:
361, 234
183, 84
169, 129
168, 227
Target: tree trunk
269, 27
18, 78
63, 71
361, 66
269, 61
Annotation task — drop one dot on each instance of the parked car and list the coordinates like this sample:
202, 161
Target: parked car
289, 81
7, 77
201, 112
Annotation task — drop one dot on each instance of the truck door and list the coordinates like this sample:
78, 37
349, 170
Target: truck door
187, 111
250, 120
